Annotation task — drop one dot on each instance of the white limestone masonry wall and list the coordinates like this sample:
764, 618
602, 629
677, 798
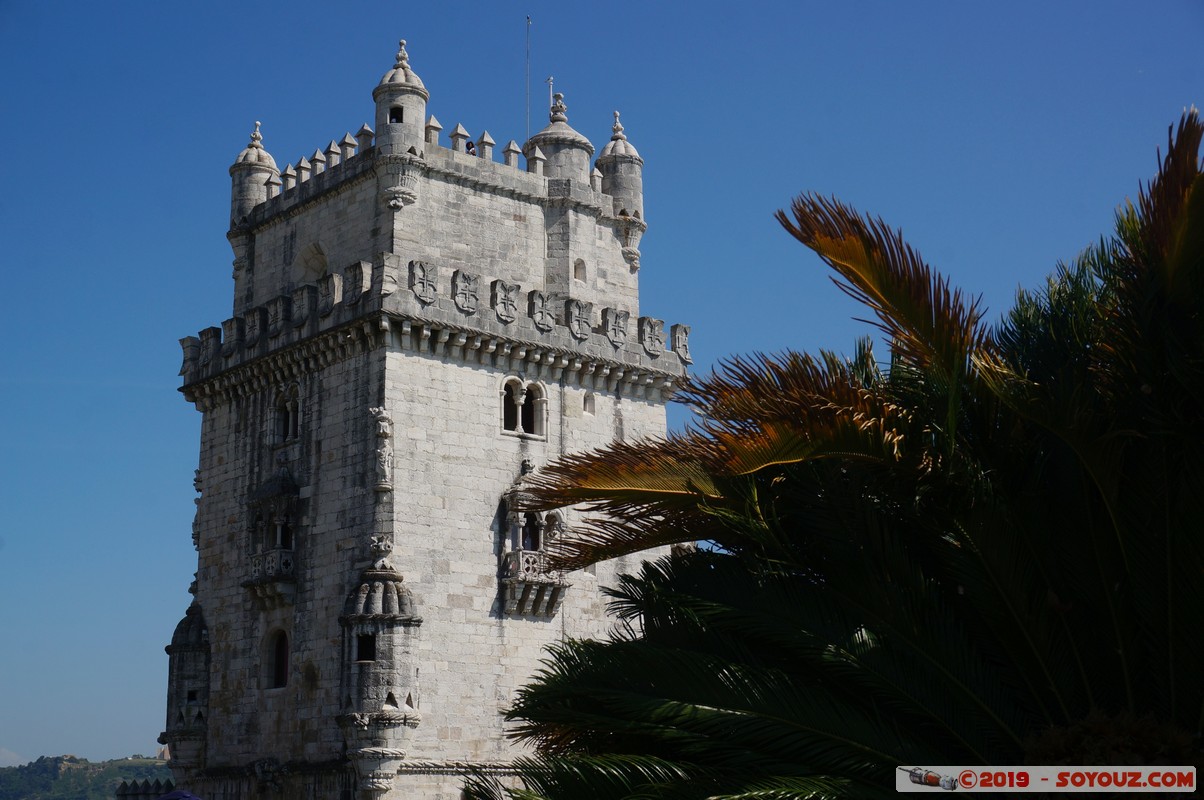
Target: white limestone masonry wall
391, 297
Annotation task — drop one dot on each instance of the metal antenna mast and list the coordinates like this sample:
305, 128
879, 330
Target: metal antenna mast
528, 76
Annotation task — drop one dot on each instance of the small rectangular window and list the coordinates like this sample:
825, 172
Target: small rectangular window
365, 647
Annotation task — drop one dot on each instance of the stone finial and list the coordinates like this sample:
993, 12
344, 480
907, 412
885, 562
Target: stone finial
273, 184
617, 129
319, 162
254, 154
511, 153
595, 179
432, 130
303, 169
332, 154
403, 58
289, 176
559, 112
347, 145
459, 136
485, 145
535, 162
364, 137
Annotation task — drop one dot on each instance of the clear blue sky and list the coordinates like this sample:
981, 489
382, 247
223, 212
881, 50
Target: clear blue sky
999, 136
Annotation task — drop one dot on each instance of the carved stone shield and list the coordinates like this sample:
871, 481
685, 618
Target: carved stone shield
422, 281
652, 336
279, 312
539, 307
505, 300
254, 325
615, 324
680, 335
464, 291
577, 314
330, 292
354, 279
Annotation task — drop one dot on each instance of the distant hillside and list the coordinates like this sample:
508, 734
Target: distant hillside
71, 778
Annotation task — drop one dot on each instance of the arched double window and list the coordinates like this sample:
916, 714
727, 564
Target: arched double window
523, 408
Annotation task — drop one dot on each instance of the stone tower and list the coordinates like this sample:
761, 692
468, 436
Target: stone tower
415, 328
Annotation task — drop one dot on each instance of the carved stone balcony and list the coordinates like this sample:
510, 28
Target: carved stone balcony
272, 580
530, 586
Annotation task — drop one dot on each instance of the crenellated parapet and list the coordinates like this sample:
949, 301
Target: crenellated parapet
404, 152
445, 311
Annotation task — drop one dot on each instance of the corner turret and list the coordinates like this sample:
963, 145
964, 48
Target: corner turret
250, 174
622, 173
400, 107
567, 152
380, 631
187, 694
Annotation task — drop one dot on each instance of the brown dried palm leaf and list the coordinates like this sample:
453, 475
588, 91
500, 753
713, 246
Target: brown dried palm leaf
930, 324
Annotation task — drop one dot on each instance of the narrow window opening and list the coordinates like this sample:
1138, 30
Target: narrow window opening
579, 270
365, 647
280, 661
282, 422
529, 415
396, 114
531, 537
284, 534
294, 420
588, 404
192, 695
510, 408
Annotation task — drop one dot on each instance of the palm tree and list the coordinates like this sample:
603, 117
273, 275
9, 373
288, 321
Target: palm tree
986, 552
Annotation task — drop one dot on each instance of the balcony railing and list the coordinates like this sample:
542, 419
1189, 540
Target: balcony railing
273, 578
531, 587
274, 564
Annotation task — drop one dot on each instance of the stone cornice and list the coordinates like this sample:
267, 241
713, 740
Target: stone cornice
434, 338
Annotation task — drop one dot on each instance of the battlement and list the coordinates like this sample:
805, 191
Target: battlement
447, 313
354, 158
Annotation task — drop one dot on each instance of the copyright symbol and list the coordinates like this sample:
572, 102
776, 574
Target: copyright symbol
967, 779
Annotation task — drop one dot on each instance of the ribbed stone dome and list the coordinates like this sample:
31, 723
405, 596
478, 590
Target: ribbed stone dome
401, 72
381, 593
191, 631
254, 153
618, 144
558, 131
